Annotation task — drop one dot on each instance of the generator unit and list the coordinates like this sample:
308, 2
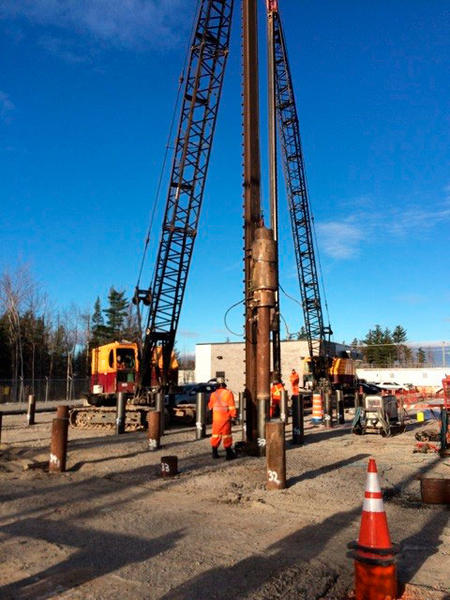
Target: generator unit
379, 414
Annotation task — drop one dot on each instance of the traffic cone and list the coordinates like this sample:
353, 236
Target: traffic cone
375, 570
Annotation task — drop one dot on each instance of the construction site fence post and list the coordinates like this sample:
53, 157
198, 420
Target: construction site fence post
284, 414
275, 456
159, 405
31, 410
154, 430
58, 445
340, 407
120, 418
298, 419
200, 416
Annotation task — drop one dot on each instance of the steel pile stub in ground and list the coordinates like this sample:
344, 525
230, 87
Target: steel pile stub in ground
435, 490
169, 466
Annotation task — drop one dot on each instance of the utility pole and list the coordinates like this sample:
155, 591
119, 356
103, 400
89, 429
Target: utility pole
252, 200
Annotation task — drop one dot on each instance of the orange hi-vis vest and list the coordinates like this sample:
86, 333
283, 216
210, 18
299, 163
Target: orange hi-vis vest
221, 402
295, 378
276, 391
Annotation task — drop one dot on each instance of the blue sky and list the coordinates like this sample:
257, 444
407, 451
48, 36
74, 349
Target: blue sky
87, 90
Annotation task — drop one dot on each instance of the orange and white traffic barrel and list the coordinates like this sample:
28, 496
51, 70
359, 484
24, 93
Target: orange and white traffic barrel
317, 408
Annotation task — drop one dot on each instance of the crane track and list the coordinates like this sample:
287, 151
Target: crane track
104, 418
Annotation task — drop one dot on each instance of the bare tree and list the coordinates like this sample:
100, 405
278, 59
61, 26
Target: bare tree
15, 290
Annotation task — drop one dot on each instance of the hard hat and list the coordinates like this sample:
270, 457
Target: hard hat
220, 381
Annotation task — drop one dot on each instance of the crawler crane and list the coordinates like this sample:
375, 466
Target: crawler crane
202, 89
164, 297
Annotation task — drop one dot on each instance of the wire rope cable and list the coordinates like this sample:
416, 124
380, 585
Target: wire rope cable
240, 335
167, 148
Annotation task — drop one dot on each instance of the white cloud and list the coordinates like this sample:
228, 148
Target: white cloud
119, 23
339, 239
6, 107
370, 220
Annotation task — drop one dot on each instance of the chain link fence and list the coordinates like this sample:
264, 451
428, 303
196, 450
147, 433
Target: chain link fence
44, 390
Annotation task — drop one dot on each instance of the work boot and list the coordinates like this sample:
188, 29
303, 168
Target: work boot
215, 453
230, 454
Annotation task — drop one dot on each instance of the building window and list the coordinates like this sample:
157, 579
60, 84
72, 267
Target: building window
220, 374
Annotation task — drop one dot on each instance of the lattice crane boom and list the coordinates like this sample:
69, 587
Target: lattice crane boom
202, 91
299, 206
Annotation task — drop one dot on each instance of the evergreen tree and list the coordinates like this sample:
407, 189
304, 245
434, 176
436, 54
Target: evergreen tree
421, 357
302, 335
99, 333
378, 351
116, 314
398, 337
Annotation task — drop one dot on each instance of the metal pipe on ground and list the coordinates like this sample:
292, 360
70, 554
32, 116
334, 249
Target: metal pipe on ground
275, 456
284, 411
58, 445
328, 413
169, 466
154, 430
340, 407
242, 414
159, 405
121, 414
298, 419
62, 412
31, 410
200, 420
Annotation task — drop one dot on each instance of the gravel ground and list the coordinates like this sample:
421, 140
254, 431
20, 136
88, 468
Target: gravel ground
111, 527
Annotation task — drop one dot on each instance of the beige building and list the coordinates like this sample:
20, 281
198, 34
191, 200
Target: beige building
227, 360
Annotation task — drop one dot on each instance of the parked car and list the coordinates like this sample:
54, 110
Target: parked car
184, 405
390, 385
187, 393
371, 389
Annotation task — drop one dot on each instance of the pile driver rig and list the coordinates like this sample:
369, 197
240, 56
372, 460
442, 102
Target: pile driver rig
208, 55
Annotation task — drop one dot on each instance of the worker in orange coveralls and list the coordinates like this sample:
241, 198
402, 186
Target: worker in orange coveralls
294, 378
275, 398
221, 402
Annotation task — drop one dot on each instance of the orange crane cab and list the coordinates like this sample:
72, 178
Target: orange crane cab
341, 372
114, 368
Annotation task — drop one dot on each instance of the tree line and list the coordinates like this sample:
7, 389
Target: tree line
382, 347
37, 342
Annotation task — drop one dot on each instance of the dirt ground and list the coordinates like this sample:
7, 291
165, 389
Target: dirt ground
111, 527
